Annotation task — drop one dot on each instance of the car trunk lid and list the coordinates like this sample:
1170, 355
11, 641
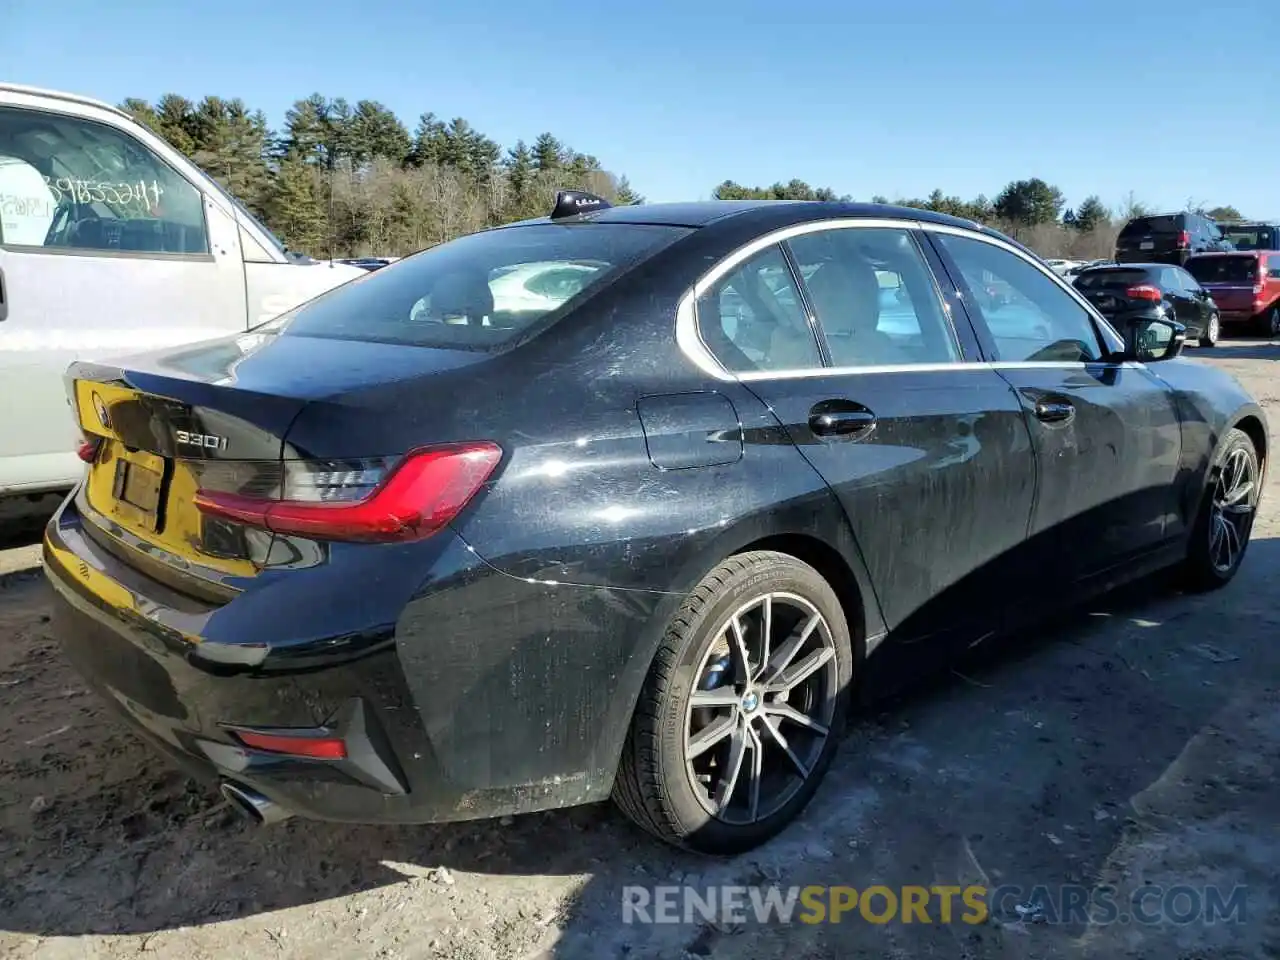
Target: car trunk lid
165, 429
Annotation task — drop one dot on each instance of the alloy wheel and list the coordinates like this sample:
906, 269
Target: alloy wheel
762, 709
1215, 327
1273, 322
1231, 517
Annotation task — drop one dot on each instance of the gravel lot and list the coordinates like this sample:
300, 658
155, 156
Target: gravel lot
1137, 744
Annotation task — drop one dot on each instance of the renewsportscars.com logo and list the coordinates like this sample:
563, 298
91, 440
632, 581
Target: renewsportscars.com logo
935, 904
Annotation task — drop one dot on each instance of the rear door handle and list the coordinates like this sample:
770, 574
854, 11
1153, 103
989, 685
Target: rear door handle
1054, 411
841, 419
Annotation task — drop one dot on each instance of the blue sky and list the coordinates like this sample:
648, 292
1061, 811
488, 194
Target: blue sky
1176, 100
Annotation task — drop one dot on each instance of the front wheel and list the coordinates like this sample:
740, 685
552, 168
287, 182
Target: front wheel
1212, 330
738, 719
1221, 532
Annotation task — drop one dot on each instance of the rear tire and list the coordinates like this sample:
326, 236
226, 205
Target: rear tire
720, 757
1212, 330
1220, 535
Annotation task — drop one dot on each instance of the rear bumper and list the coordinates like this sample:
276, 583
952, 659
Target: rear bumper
416, 750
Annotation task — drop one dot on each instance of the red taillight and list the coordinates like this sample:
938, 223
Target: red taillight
418, 497
1184, 240
1144, 291
87, 449
318, 748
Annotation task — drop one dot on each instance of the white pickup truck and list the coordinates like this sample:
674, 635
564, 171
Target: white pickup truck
113, 242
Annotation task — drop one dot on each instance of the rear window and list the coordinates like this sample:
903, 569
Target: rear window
1223, 269
1096, 279
482, 291
1251, 238
1155, 225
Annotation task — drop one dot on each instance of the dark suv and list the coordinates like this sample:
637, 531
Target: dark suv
1169, 238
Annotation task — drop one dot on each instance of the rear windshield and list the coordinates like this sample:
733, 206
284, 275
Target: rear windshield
1145, 225
1223, 269
1095, 279
481, 291
1251, 238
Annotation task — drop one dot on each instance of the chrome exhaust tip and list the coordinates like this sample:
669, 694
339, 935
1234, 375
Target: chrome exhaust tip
251, 804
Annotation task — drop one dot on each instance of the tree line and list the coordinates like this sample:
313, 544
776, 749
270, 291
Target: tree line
347, 179
351, 179
1032, 211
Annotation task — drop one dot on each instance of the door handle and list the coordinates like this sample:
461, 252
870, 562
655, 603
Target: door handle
4, 300
841, 420
1054, 411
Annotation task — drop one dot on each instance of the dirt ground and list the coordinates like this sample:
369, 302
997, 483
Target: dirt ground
1138, 744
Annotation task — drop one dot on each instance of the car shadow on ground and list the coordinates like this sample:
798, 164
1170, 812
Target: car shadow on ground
22, 519
1017, 766
1238, 350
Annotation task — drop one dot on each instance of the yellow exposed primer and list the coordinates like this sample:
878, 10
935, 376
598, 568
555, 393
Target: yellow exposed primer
179, 531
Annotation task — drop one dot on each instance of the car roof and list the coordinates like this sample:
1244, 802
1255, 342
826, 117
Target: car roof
61, 95
771, 213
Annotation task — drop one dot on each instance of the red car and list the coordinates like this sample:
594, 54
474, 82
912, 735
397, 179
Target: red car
1245, 285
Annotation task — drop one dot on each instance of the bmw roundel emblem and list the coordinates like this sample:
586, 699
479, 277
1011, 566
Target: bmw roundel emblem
100, 406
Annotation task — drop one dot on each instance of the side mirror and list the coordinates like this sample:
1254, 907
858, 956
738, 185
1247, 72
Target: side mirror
1151, 339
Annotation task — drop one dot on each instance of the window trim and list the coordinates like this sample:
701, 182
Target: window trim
690, 343
202, 194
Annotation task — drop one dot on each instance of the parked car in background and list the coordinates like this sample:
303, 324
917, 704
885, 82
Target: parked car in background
380, 561
1168, 238
368, 263
1252, 234
111, 242
1245, 286
1073, 271
1062, 267
1131, 292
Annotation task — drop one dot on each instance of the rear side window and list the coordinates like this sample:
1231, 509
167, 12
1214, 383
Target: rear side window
483, 291
1273, 266
1226, 269
1153, 225
752, 319
874, 297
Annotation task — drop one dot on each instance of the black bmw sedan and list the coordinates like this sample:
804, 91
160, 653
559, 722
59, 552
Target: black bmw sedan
621, 502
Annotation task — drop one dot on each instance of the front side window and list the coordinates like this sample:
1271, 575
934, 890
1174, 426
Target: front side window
75, 185
1029, 316
874, 297
752, 318
484, 291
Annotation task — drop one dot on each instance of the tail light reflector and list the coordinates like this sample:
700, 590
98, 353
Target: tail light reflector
87, 449
1184, 240
1144, 291
409, 501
